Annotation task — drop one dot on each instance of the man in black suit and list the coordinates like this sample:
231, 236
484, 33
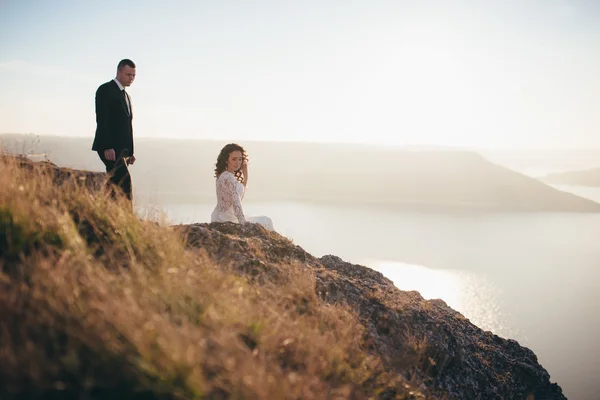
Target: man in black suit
114, 129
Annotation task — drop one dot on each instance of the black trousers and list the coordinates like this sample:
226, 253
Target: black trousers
119, 178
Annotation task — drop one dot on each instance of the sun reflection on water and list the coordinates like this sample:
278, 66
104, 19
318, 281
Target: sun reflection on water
473, 296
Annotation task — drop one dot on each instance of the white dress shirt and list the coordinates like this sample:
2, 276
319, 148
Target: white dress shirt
125, 94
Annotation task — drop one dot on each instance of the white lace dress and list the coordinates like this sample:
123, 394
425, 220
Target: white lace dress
230, 193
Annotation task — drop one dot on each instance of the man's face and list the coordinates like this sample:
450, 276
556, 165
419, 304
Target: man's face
126, 75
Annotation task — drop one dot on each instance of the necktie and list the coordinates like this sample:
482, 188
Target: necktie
127, 101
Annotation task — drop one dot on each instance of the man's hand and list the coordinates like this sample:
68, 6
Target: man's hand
131, 160
110, 155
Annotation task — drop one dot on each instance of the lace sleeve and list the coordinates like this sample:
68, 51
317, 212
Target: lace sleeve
232, 197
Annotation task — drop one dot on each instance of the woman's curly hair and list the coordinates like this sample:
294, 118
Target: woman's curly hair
221, 164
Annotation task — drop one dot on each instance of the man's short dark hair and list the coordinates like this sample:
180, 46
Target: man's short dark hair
126, 62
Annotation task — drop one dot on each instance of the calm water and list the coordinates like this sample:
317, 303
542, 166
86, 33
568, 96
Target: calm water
531, 277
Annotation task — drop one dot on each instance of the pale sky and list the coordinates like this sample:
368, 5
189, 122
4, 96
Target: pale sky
494, 73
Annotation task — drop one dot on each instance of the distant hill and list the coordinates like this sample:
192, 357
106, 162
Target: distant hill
180, 171
588, 177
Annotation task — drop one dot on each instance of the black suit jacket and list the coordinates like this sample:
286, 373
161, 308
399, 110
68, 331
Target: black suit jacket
114, 129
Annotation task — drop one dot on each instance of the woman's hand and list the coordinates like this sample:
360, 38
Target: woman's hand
244, 168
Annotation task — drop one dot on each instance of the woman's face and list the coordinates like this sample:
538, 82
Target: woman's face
235, 161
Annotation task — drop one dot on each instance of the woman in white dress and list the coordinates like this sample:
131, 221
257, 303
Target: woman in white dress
231, 174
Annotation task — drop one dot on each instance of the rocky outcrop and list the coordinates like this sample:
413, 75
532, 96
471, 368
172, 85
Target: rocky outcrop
416, 337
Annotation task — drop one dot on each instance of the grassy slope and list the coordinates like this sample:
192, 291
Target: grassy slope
94, 300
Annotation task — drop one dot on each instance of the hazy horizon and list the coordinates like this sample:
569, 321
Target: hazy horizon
504, 74
367, 145
405, 178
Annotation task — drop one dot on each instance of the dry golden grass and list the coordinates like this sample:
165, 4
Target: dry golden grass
94, 300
